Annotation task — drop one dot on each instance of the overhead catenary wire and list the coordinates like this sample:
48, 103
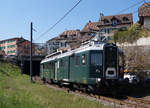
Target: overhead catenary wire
130, 7
146, 1
134, 11
43, 34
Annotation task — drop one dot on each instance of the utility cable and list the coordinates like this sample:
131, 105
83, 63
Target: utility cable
129, 7
43, 34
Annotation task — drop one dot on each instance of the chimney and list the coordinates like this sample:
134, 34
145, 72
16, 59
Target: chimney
101, 14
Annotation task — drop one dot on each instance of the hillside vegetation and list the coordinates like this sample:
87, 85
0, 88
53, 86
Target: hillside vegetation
16, 91
132, 34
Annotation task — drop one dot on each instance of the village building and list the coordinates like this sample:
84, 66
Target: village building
73, 38
108, 24
144, 15
89, 31
10, 46
15, 46
39, 49
23, 47
65, 40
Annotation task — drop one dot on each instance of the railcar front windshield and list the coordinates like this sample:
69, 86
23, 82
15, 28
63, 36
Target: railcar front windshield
96, 64
96, 59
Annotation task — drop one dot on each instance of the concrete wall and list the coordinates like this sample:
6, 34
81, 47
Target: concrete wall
144, 41
137, 53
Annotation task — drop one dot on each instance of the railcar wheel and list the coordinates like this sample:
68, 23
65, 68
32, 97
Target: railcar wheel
44, 80
126, 80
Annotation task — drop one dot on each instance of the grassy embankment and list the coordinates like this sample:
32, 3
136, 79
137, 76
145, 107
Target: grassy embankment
16, 91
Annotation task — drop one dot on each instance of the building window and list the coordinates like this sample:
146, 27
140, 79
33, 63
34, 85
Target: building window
2, 48
89, 34
123, 28
105, 30
26, 46
63, 44
63, 36
12, 51
93, 34
114, 22
125, 19
106, 21
77, 60
108, 31
11, 46
102, 30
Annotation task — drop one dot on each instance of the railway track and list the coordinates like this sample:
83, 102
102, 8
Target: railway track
128, 102
140, 103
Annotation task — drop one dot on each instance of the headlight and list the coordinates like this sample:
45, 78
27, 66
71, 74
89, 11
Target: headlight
98, 79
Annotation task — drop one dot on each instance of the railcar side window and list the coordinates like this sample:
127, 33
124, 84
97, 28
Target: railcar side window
61, 63
57, 64
50, 65
43, 66
46, 66
77, 60
96, 59
83, 59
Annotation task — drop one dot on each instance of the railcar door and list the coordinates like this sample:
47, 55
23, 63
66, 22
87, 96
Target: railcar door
111, 61
56, 69
69, 67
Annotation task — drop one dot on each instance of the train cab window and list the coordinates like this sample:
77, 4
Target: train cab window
83, 59
96, 59
77, 60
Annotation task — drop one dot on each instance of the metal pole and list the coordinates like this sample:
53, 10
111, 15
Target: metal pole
31, 55
21, 64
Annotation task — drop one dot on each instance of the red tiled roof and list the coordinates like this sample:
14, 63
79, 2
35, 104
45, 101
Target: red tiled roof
70, 32
67, 33
90, 26
144, 10
17, 38
118, 17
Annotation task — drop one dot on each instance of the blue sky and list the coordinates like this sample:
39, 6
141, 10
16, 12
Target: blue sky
16, 15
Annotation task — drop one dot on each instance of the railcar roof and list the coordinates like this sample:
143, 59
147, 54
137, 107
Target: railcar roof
88, 47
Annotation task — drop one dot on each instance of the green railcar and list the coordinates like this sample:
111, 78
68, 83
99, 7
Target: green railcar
92, 66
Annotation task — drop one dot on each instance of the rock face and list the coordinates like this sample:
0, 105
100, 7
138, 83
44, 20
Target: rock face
137, 57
